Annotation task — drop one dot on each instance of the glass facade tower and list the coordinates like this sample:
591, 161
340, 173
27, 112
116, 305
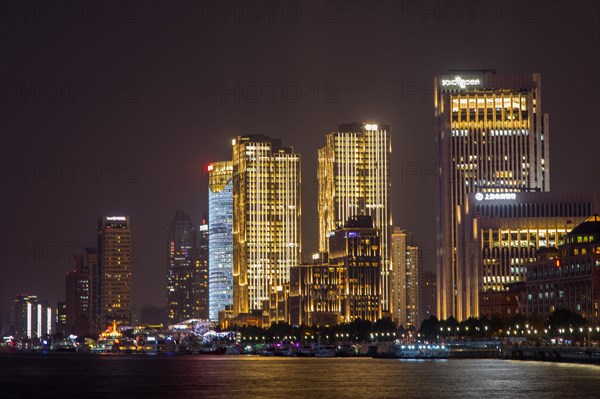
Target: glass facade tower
220, 237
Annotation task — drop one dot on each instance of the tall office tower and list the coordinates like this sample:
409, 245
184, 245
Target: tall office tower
202, 269
183, 264
357, 248
266, 219
77, 296
220, 238
414, 277
114, 265
32, 317
491, 137
354, 179
399, 240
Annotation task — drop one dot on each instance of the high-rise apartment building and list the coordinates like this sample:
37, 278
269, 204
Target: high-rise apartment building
354, 179
220, 237
414, 293
407, 266
491, 137
114, 270
399, 240
266, 219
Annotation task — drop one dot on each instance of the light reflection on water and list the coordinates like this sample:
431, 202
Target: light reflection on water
72, 375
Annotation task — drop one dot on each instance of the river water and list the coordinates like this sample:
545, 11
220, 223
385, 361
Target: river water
140, 376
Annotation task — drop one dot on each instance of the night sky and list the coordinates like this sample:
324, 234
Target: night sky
115, 109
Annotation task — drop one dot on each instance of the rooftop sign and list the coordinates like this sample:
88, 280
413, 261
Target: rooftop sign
460, 82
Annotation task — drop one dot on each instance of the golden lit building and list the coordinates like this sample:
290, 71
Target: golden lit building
356, 248
491, 137
398, 243
414, 293
499, 234
354, 179
266, 219
407, 266
114, 266
316, 292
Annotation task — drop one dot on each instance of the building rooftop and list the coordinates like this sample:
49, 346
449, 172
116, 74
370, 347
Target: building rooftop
590, 227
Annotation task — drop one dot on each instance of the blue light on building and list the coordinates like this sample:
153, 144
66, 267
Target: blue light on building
220, 238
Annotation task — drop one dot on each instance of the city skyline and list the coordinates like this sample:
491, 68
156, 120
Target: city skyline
199, 132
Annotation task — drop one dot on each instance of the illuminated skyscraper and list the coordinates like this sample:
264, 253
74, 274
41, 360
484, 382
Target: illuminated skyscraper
114, 266
354, 179
266, 219
185, 265
220, 237
491, 137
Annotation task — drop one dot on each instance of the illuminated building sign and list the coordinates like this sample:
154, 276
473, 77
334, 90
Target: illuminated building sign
115, 218
370, 127
209, 168
495, 196
460, 82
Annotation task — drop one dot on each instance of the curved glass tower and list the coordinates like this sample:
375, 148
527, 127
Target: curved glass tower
220, 238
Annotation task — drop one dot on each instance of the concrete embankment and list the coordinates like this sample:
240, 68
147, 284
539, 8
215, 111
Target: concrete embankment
587, 355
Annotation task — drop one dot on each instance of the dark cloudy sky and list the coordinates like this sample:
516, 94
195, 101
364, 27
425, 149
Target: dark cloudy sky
115, 109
